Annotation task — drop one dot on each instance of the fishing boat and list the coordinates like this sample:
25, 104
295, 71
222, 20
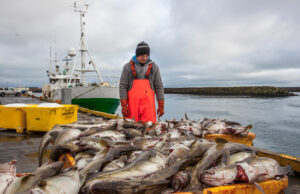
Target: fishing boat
102, 96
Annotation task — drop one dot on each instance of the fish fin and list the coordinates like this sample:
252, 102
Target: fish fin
221, 141
43, 149
43, 183
113, 126
152, 127
253, 153
259, 188
54, 134
13, 161
248, 127
284, 170
186, 117
225, 158
108, 142
230, 122
167, 137
144, 130
250, 159
123, 158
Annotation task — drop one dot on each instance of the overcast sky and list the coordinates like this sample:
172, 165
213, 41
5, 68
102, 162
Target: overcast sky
194, 42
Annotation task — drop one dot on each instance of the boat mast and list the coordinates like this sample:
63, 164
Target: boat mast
82, 11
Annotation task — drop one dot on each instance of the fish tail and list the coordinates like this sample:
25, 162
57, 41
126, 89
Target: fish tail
259, 188
43, 148
284, 170
186, 117
248, 127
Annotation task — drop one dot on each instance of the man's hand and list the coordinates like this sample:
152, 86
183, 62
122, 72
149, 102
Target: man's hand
160, 110
125, 108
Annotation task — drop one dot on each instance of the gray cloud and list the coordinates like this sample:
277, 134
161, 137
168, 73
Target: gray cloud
195, 43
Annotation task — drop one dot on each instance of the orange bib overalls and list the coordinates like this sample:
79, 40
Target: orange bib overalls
141, 98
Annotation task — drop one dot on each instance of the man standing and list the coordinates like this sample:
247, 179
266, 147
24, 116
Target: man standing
140, 82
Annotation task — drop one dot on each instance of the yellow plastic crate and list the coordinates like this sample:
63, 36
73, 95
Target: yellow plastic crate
13, 118
269, 187
45, 118
247, 140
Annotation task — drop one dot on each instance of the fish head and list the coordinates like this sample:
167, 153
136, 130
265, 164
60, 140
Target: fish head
242, 175
49, 169
178, 154
236, 129
199, 147
219, 176
181, 179
230, 130
8, 167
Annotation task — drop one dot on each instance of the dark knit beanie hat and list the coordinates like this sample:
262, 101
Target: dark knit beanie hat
142, 49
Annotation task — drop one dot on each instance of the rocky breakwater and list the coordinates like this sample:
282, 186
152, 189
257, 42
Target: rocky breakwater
255, 91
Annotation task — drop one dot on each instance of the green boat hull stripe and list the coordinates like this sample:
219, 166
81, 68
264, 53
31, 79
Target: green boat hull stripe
108, 105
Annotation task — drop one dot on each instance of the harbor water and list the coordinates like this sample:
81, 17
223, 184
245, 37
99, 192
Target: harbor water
276, 121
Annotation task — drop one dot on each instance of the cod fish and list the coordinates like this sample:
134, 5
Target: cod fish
66, 183
96, 129
82, 159
126, 187
181, 180
215, 126
93, 145
179, 152
112, 135
258, 169
167, 191
155, 183
25, 183
147, 163
133, 156
63, 137
82, 126
212, 154
7, 174
146, 142
50, 136
222, 175
115, 164
107, 156
8, 167
237, 157
251, 170
132, 133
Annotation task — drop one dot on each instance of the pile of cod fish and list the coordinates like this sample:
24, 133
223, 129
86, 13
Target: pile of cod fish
123, 156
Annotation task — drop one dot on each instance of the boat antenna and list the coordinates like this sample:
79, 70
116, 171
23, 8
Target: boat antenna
55, 54
50, 60
82, 10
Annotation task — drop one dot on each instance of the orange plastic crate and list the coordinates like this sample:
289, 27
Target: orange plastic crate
247, 140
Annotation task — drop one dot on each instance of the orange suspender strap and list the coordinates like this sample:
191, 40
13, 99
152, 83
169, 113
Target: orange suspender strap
133, 69
148, 70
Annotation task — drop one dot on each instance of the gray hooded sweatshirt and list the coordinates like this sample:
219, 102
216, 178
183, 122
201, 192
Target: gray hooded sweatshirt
127, 78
